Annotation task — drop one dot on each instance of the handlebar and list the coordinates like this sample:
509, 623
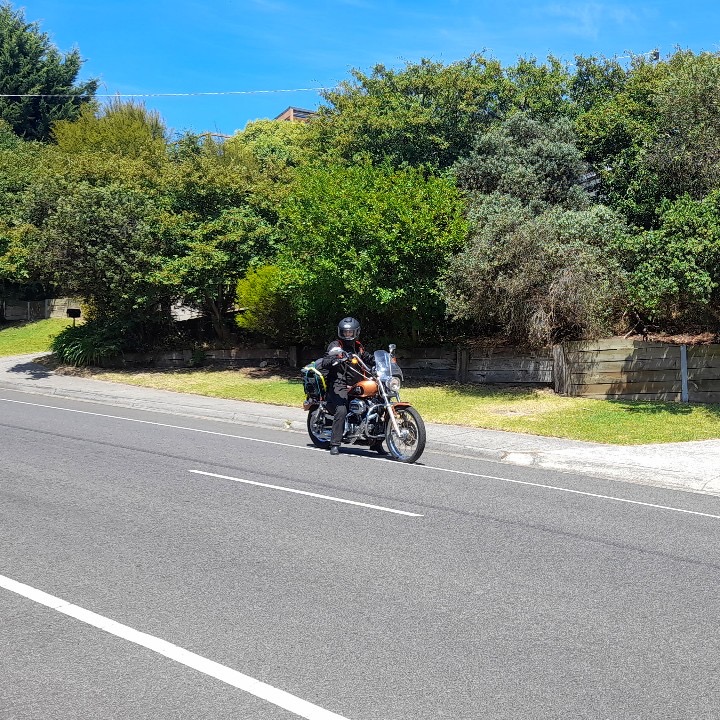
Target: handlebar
343, 356
353, 358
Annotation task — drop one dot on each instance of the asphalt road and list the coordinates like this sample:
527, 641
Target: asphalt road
198, 569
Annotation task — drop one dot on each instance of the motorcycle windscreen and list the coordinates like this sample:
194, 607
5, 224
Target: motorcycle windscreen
385, 367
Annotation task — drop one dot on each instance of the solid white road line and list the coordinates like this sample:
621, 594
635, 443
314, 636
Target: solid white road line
428, 467
309, 494
573, 492
157, 424
301, 708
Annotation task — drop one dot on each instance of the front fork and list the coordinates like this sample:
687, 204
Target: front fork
390, 409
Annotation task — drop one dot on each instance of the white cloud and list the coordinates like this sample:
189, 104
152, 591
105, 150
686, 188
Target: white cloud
589, 19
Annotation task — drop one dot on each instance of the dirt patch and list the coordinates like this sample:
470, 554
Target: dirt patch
505, 412
705, 338
51, 363
255, 373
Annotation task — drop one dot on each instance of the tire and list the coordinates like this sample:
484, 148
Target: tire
317, 434
410, 446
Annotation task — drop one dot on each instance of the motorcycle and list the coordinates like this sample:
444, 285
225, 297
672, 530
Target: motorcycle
375, 411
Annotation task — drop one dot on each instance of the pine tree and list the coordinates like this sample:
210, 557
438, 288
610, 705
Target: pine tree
37, 83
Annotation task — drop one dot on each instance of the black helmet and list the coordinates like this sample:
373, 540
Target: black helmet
348, 329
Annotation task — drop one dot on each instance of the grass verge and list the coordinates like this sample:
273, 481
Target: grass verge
535, 411
29, 337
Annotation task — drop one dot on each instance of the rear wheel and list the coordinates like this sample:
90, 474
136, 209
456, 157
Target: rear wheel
408, 446
317, 430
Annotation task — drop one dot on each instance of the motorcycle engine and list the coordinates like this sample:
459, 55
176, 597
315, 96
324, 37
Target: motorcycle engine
357, 407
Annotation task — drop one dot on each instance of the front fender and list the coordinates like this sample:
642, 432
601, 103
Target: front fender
399, 405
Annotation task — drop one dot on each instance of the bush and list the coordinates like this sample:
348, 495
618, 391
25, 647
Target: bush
535, 162
674, 271
264, 310
369, 242
87, 344
537, 279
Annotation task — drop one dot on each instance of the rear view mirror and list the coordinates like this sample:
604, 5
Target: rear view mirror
391, 348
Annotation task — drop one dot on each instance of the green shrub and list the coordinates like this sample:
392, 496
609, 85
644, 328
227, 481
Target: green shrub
674, 271
369, 242
537, 279
264, 308
87, 344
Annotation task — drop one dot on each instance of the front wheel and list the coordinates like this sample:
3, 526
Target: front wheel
408, 446
317, 430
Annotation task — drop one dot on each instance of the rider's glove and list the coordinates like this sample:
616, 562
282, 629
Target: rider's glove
338, 355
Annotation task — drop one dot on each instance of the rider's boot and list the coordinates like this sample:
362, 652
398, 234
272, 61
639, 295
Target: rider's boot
378, 448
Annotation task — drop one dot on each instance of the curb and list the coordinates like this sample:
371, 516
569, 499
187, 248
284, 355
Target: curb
547, 460
627, 472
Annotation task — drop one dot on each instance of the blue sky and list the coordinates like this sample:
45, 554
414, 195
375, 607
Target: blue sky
232, 46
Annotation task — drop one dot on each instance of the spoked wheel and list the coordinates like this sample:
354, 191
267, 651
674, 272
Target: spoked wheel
317, 430
408, 446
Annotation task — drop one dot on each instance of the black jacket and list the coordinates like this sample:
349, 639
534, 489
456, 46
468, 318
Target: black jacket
343, 373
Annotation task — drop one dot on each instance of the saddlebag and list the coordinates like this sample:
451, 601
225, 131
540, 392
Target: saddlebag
314, 380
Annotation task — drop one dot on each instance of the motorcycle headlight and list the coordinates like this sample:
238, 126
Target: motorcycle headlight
393, 384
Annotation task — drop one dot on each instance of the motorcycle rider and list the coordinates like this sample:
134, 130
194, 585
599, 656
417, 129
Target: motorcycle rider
342, 374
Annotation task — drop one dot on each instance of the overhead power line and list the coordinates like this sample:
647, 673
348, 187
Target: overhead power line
178, 94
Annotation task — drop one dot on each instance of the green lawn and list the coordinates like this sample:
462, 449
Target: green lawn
539, 412
29, 337
542, 412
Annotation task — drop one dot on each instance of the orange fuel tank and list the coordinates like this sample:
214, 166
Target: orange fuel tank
365, 388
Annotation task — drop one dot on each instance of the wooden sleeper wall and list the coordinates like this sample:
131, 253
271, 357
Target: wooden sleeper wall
633, 370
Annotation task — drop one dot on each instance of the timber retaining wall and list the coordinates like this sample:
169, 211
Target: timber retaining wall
623, 369
612, 368
454, 364
486, 364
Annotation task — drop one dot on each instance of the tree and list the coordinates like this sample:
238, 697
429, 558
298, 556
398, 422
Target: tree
617, 135
102, 244
93, 228
214, 226
426, 113
125, 129
537, 162
275, 144
595, 82
95, 218
674, 271
536, 278
656, 135
540, 90
20, 163
131, 226
685, 152
276, 150
368, 241
536, 265
42, 82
